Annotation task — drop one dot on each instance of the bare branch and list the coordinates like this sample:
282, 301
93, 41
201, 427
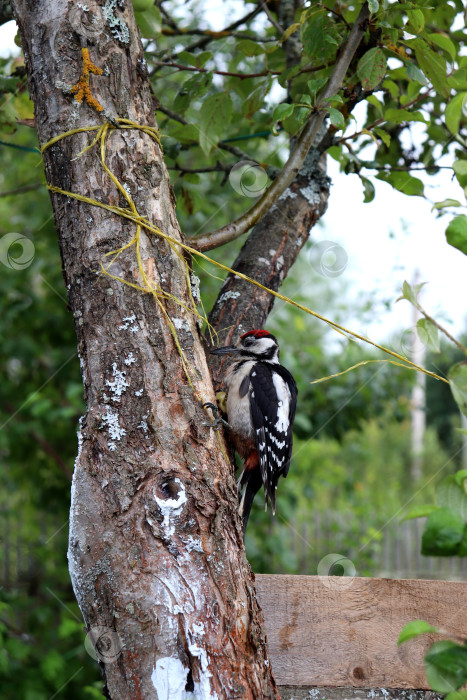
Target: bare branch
268, 14
290, 170
218, 168
20, 190
241, 76
216, 35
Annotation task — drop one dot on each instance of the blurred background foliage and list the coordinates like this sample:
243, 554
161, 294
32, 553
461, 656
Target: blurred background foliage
351, 476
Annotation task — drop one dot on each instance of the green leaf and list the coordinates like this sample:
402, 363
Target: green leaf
447, 203
444, 43
411, 293
461, 479
185, 133
457, 376
433, 65
203, 58
319, 35
187, 57
149, 22
8, 84
414, 629
250, 48
197, 60
456, 233
416, 20
443, 533
316, 84
457, 695
414, 73
403, 182
215, 114
383, 135
392, 88
404, 115
450, 495
255, 99
282, 111
446, 666
289, 31
194, 87
373, 6
428, 334
368, 189
371, 68
373, 100
420, 512
336, 117
454, 112
460, 168
458, 80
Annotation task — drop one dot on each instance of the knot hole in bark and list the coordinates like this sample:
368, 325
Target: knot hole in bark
169, 489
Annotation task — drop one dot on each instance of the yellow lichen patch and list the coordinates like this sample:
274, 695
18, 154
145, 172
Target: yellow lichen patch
81, 89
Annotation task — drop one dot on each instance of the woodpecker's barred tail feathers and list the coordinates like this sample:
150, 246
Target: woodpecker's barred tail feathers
261, 403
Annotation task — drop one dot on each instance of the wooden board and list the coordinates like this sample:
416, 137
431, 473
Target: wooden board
342, 631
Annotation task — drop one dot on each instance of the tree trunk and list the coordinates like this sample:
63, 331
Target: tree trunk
156, 553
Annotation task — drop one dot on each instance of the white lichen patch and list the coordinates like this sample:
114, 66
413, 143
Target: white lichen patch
117, 26
139, 392
171, 507
130, 360
144, 427
180, 324
110, 419
194, 283
193, 544
126, 322
83, 7
119, 384
310, 194
272, 252
227, 295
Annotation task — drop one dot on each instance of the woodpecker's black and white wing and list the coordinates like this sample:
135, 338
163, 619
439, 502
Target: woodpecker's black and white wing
273, 400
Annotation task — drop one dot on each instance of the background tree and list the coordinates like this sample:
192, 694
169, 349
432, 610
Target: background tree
201, 111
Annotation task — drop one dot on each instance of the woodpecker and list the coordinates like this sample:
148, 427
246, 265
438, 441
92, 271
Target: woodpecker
261, 403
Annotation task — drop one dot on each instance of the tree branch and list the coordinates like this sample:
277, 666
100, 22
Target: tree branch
241, 76
207, 39
291, 169
268, 14
20, 190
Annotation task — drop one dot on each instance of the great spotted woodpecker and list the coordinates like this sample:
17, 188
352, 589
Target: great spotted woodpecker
261, 403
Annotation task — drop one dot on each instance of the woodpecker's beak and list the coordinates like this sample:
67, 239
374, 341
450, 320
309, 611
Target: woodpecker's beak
226, 350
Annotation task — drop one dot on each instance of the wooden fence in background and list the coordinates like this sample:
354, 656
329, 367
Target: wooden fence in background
394, 552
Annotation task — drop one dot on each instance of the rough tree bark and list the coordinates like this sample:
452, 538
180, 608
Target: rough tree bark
156, 552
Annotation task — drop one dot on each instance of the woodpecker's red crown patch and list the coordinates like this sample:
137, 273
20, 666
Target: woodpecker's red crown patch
256, 333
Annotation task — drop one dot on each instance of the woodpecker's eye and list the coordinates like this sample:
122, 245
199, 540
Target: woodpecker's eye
248, 341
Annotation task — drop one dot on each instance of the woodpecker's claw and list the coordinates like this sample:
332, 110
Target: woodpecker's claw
218, 421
